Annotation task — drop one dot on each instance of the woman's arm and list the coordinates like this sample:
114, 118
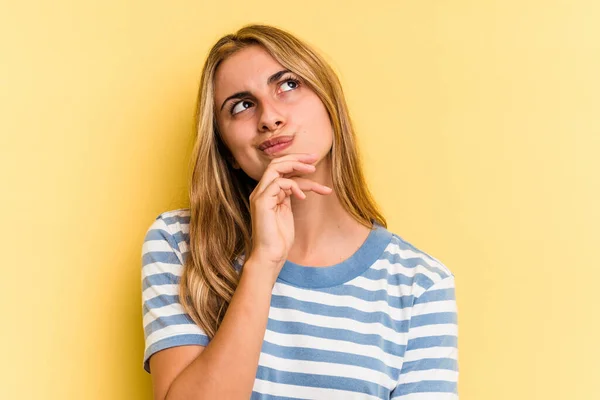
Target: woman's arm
430, 367
226, 367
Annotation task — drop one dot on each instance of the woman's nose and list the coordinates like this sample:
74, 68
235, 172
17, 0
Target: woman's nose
270, 118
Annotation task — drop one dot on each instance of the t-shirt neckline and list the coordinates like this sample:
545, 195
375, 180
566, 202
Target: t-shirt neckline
355, 265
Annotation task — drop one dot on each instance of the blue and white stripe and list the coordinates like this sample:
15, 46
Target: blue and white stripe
380, 325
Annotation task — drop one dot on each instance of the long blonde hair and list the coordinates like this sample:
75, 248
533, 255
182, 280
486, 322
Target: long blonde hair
220, 223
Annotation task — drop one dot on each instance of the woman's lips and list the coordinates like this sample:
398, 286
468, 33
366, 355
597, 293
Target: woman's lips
284, 144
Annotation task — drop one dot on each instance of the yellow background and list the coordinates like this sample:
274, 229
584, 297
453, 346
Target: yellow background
480, 129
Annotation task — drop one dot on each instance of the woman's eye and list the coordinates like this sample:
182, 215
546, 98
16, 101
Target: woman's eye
288, 85
241, 106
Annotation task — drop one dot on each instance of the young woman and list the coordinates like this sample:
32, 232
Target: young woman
281, 280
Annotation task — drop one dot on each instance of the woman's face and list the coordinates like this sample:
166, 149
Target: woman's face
257, 99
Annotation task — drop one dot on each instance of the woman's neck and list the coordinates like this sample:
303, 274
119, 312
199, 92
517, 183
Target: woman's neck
321, 223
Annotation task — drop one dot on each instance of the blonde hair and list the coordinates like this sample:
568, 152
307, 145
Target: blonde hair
220, 223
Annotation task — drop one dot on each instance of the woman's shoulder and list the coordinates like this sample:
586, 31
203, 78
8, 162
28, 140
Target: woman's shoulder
171, 226
419, 266
172, 221
178, 216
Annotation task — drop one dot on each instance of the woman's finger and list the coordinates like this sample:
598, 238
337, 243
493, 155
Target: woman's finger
306, 185
277, 187
280, 188
280, 169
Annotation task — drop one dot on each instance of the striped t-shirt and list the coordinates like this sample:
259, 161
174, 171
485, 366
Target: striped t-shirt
380, 325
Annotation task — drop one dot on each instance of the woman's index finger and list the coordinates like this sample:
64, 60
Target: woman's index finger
304, 157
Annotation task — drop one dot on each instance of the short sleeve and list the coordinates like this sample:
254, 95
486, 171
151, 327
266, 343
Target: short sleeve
430, 367
165, 322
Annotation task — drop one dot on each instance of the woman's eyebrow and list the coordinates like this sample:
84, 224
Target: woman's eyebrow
273, 78
277, 75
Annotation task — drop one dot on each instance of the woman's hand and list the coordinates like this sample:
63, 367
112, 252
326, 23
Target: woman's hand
271, 211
